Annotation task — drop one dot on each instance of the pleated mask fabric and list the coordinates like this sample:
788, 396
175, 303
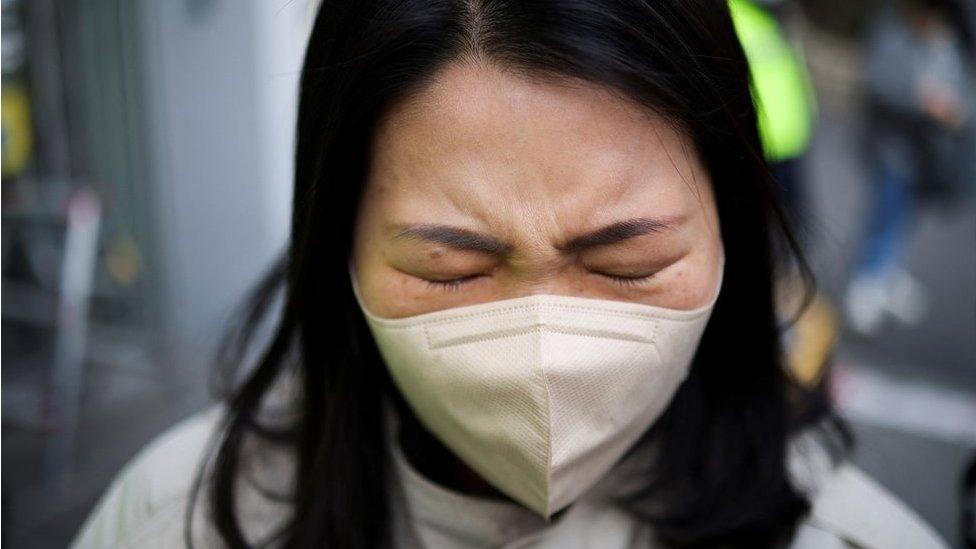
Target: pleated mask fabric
542, 394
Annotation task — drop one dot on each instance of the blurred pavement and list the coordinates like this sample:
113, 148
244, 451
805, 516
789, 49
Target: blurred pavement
910, 392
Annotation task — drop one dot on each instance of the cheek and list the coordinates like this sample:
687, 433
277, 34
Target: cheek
691, 282
700, 280
380, 293
385, 292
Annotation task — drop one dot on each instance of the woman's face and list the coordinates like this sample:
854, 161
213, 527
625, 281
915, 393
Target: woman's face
486, 185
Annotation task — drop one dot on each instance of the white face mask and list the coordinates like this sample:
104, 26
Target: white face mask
541, 395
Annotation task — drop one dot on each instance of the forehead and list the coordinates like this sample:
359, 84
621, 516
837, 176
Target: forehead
481, 134
478, 92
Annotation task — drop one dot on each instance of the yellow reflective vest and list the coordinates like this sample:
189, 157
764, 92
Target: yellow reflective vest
781, 87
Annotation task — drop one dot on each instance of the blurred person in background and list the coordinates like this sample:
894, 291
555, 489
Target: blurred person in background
921, 144
528, 301
786, 109
783, 93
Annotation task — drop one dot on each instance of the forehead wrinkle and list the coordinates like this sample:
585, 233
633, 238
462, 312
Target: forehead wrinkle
493, 152
467, 200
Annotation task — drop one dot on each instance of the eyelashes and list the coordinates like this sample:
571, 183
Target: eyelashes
448, 285
455, 284
628, 280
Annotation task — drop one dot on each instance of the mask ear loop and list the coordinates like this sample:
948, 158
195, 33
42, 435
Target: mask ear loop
721, 277
351, 269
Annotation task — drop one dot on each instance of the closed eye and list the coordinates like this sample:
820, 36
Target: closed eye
455, 284
450, 285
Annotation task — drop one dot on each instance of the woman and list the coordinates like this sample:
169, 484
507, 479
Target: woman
527, 303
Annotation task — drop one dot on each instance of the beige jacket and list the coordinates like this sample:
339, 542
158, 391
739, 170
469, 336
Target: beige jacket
145, 506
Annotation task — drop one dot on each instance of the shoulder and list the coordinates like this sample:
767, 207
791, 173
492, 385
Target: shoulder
850, 509
147, 500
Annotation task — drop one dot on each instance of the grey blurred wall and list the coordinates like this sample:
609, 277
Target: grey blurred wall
220, 84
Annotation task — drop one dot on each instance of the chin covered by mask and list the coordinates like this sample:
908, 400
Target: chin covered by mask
541, 395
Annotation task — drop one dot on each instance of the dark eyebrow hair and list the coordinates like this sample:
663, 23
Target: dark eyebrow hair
616, 232
465, 239
456, 237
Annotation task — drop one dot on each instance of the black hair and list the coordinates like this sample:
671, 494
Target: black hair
725, 432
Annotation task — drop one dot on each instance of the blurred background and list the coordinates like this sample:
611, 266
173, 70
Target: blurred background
146, 152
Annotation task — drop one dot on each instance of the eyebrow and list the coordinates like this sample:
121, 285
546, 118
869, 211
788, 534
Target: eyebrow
466, 239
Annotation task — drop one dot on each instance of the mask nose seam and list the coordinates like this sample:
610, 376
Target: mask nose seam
540, 326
